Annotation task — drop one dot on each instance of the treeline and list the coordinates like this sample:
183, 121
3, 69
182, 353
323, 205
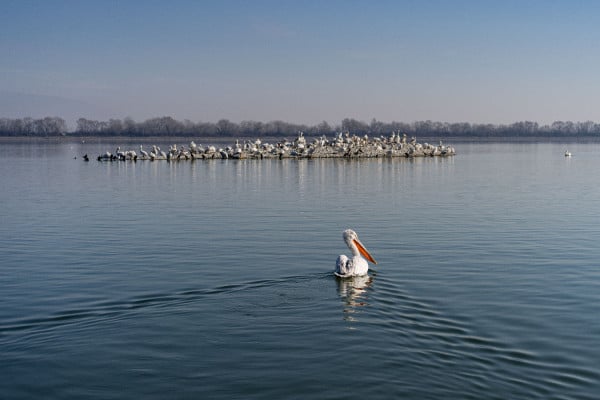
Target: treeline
49, 126
167, 126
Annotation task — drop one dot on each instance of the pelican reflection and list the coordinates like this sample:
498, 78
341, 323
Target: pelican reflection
354, 292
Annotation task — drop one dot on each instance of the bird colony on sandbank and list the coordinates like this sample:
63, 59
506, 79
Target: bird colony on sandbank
343, 145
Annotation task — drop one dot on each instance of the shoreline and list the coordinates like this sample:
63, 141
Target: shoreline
227, 139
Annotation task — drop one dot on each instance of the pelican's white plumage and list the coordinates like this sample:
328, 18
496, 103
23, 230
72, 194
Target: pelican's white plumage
356, 265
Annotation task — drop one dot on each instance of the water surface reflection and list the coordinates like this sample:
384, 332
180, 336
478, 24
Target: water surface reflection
354, 293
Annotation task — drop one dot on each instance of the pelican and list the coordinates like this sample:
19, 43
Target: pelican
120, 154
357, 265
143, 152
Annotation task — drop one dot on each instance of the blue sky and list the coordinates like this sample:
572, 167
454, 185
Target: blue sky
302, 61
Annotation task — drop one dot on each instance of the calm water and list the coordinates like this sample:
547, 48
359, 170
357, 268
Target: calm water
213, 279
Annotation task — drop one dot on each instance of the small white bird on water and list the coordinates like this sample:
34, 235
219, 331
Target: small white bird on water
357, 265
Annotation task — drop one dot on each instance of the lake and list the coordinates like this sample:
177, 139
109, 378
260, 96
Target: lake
213, 279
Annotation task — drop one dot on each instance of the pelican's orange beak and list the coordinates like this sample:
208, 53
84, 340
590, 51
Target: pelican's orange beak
364, 251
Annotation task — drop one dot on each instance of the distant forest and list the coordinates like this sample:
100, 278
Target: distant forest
167, 126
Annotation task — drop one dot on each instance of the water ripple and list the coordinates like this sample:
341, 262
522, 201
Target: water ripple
476, 358
111, 308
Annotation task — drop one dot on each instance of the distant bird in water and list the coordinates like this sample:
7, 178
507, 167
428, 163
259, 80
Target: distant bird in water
567, 153
357, 265
86, 158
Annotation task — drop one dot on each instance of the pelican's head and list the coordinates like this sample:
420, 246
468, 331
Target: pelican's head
351, 239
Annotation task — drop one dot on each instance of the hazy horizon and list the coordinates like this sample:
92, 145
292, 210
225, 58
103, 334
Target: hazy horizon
301, 62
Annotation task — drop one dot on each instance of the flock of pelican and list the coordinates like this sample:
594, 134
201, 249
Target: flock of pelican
343, 145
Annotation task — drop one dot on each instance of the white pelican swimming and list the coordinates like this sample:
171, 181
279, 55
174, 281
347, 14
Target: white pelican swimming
357, 265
